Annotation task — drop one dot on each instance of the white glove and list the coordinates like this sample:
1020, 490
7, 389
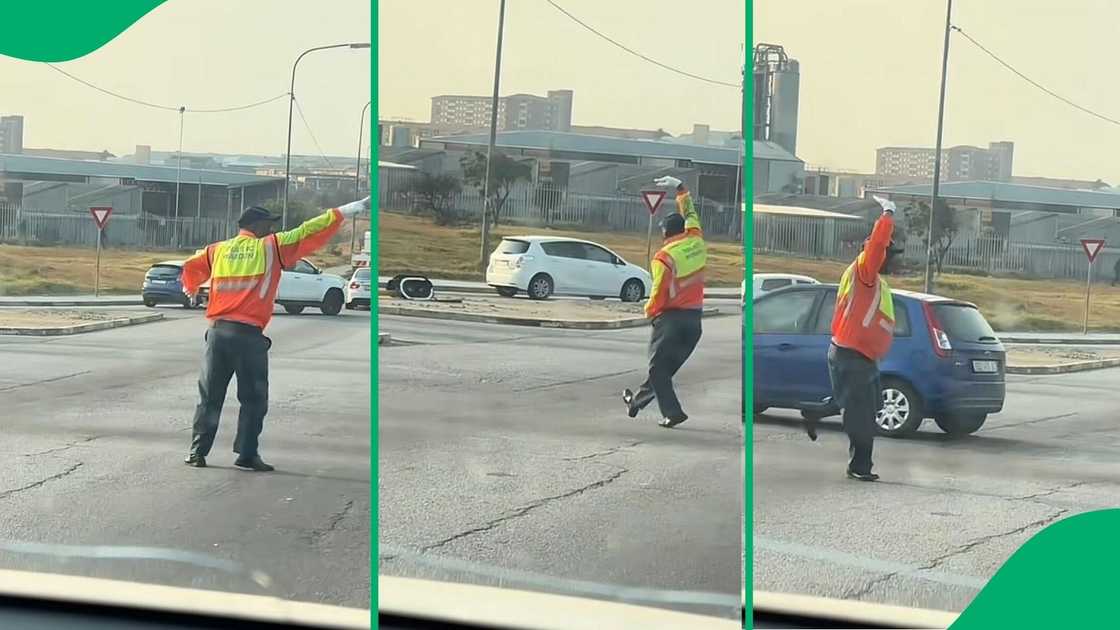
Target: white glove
667, 182
888, 205
354, 208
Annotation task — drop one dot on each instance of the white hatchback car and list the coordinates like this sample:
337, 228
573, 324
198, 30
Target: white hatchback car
306, 286
767, 282
359, 289
541, 266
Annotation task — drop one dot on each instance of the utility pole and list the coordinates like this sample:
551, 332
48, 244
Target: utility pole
937, 148
484, 248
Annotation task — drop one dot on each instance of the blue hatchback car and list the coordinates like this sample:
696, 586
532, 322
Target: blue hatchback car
163, 285
946, 363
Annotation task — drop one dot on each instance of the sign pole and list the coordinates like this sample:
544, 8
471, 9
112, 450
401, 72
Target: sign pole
1088, 290
649, 246
97, 267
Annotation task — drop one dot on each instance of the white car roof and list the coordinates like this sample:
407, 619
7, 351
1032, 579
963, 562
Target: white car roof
169, 263
549, 239
784, 276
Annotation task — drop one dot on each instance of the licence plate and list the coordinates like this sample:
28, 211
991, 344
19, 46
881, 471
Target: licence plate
985, 367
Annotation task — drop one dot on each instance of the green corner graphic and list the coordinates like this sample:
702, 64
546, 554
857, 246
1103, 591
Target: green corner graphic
61, 30
1057, 579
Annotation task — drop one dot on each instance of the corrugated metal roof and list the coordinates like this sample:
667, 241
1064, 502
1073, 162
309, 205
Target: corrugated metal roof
761, 208
32, 165
583, 143
766, 150
384, 164
1011, 193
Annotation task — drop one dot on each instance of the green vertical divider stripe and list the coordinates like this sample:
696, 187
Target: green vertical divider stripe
747, 368
61, 30
375, 286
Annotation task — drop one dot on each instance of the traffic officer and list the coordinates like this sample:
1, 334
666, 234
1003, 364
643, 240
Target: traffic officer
862, 332
244, 275
675, 306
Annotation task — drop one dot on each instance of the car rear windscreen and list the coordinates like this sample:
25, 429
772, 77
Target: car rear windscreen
511, 246
362, 274
964, 322
164, 272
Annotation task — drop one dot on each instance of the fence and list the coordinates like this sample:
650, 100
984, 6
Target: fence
529, 205
140, 232
841, 240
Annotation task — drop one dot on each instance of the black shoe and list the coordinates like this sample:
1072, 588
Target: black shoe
253, 463
196, 461
628, 398
862, 476
669, 423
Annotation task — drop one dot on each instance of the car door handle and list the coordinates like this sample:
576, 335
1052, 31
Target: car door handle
786, 347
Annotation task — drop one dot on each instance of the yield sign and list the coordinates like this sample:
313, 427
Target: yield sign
101, 216
652, 199
1092, 247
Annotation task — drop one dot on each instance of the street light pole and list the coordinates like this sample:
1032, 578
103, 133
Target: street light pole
484, 248
291, 105
178, 178
937, 148
358, 176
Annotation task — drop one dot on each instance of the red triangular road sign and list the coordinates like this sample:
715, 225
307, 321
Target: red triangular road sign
101, 216
1092, 247
652, 199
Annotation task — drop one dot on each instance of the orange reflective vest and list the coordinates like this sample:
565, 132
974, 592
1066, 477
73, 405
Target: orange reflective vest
244, 272
678, 267
864, 316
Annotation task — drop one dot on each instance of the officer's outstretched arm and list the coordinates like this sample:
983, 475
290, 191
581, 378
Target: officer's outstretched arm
313, 234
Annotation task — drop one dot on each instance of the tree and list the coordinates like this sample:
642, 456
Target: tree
946, 225
547, 198
436, 193
504, 174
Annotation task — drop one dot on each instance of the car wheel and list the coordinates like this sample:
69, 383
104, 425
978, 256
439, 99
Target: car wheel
507, 291
292, 309
632, 291
961, 423
149, 303
902, 411
540, 287
332, 302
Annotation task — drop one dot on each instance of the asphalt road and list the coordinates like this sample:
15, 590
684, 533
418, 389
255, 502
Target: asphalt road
509, 447
947, 513
95, 428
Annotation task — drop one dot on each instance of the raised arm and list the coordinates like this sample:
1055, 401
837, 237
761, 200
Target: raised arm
875, 251
313, 234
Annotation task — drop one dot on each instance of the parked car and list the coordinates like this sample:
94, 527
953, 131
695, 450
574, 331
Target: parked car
358, 290
946, 363
163, 285
766, 282
304, 286
542, 266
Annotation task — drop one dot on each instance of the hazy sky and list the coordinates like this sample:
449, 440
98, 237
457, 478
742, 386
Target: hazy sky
430, 47
205, 54
870, 71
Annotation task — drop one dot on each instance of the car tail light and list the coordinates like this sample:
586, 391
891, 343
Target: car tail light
941, 344
355, 285
523, 259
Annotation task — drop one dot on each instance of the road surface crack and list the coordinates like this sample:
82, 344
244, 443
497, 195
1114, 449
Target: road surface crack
7, 493
65, 447
609, 451
860, 593
525, 510
44, 381
1035, 421
318, 534
585, 379
1050, 492
972, 544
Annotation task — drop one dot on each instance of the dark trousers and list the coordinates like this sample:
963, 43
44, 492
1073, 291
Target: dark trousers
857, 389
232, 348
672, 340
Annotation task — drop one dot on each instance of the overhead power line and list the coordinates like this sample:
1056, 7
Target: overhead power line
638, 54
323, 155
1033, 82
171, 108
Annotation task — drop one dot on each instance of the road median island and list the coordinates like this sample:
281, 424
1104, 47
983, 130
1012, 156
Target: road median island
41, 323
578, 314
1050, 359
